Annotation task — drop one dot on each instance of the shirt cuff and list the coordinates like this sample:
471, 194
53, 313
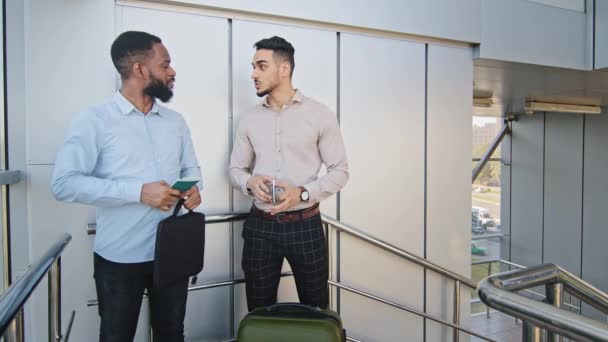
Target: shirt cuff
244, 186
314, 192
132, 191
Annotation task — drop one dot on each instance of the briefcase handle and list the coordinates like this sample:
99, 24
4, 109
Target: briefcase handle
178, 206
278, 306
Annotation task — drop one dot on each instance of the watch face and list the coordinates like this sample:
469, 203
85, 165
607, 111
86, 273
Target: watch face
304, 195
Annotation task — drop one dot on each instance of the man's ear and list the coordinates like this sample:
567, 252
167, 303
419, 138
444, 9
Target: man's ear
285, 69
138, 70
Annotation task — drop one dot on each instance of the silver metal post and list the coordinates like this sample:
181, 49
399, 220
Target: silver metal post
530, 333
330, 260
555, 294
489, 274
55, 301
14, 333
456, 309
151, 329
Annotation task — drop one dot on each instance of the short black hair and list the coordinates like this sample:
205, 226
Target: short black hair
280, 47
131, 47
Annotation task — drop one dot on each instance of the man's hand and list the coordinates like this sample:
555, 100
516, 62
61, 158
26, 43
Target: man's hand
259, 189
286, 200
192, 198
159, 195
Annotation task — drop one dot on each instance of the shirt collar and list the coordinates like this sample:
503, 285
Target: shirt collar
125, 106
297, 97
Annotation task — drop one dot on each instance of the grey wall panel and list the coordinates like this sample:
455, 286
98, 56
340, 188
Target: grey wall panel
2, 115
540, 36
201, 96
382, 116
451, 20
601, 34
315, 77
68, 68
393, 324
595, 205
563, 190
205, 325
17, 142
527, 190
573, 5
448, 230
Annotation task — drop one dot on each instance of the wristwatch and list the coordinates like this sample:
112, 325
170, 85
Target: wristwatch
304, 195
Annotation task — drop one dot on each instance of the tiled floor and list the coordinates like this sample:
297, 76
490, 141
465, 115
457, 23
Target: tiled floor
499, 327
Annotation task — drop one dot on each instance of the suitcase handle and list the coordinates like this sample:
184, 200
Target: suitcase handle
278, 306
178, 206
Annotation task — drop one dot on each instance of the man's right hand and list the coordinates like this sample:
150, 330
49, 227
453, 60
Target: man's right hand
257, 187
159, 195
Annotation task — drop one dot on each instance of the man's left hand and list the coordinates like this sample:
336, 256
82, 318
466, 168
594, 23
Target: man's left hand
192, 197
289, 198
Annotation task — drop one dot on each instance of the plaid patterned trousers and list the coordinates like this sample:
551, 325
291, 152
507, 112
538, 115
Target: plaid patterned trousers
301, 242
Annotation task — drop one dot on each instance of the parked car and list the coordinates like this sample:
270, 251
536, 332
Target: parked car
476, 226
484, 216
477, 250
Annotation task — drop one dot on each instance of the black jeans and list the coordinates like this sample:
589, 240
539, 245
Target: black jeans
302, 243
120, 288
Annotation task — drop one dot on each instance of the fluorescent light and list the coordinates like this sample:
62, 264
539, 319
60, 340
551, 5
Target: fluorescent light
483, 101
533, 106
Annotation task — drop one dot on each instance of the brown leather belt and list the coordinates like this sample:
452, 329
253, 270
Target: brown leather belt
287, 216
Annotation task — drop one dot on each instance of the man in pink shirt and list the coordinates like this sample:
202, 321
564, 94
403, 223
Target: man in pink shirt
284, 141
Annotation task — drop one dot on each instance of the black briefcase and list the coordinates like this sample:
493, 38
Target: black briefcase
180, 247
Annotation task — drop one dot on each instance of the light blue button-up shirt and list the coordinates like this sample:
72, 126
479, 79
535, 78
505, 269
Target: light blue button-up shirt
112, 150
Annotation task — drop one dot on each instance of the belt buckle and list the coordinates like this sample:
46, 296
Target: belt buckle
279, 215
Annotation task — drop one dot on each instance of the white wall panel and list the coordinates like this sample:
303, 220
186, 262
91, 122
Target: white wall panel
314, 75
198, 46
448, 232
382, 85
68, 67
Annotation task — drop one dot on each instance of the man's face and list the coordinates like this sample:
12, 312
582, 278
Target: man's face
161, 76
266, 73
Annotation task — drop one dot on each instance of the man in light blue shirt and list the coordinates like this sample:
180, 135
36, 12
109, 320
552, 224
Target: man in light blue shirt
121, 157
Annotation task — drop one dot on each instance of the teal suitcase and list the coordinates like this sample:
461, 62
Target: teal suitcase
292, 322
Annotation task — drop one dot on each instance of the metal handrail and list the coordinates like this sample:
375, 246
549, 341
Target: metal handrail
497, 291
487, 236
342, 227
407, 309
457, 278
13, 299
397, 251
209, 219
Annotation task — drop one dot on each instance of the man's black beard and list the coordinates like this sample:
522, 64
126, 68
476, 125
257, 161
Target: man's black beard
264, 93
158, 90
